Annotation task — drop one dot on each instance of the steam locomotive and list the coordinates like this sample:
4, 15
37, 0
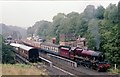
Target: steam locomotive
88, 58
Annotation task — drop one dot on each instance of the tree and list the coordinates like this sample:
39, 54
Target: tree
44, 29
109, 31
90, 41
57, 22
8, 55
94, 31
1, 47
99, 12
89, 12
111, 13
30, 31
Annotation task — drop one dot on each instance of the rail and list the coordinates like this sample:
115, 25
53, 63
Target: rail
72, 63
46, 60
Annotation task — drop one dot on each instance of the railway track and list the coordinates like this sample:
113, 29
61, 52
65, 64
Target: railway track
62, 66
53, 70
73, 70
69, 70
55, 65
64, 69
79, 71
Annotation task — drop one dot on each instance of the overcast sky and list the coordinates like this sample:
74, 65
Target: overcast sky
26, 13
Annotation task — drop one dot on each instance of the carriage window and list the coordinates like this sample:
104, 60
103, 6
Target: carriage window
47, 47
53, 49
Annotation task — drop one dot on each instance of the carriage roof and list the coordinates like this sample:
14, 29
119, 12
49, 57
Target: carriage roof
21, 46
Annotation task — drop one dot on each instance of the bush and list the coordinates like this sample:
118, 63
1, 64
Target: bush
8, 55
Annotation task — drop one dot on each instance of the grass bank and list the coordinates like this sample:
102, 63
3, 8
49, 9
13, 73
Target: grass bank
21, 69
115, 71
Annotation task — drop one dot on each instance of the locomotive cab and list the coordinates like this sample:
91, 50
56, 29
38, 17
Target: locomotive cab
101, 57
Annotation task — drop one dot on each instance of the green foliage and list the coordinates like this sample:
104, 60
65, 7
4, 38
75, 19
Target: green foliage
14, 31
89, 12
43, 29
30, 31
6, 52
109, 31
91, 42
94, 30
1, 47
40, 28
100, 26
111, 13
99, 13
8, 55
0, 39
109, 45
119, 11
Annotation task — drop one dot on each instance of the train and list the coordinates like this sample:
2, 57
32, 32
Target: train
88, 58
27, 52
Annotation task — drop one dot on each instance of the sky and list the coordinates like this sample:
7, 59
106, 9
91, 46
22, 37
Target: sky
26, 13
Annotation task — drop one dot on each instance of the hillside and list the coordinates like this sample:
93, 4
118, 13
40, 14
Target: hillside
14, 31
41, 28
21, 69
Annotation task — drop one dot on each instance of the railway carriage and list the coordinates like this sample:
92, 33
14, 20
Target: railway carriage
30, 53
49, 48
